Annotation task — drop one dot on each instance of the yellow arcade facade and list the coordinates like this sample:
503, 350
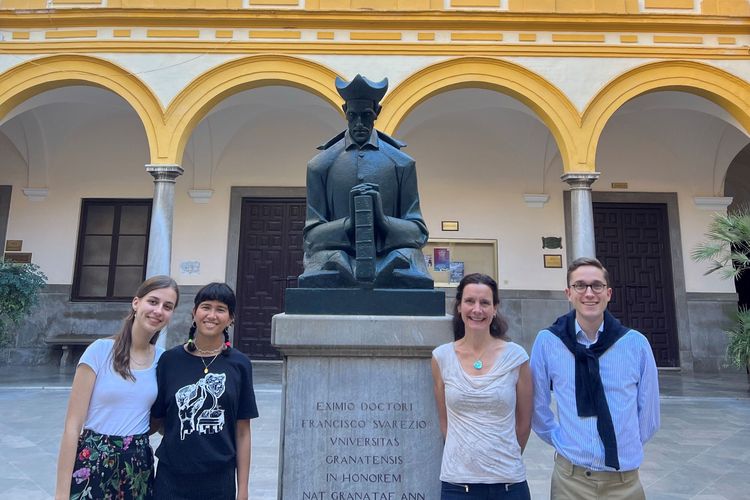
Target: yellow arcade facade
142, 137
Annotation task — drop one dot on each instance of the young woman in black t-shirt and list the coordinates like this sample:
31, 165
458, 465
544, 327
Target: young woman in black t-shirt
205, 404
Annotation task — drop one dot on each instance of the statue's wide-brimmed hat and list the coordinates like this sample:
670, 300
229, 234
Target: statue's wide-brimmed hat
361, 88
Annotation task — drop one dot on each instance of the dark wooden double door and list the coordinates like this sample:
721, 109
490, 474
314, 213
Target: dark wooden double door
270, 260
632, 241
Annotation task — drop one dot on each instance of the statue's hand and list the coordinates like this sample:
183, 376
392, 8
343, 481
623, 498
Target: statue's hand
368, 188
382, 222
364, 188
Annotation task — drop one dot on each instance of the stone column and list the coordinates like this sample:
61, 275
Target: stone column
162, 215
581, 214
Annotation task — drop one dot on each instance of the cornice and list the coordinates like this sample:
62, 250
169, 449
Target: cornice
384, 20
380, 48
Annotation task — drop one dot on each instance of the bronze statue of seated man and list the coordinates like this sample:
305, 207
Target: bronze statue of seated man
364, 227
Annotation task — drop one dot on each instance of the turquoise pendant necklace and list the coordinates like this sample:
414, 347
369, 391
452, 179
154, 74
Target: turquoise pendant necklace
478, 365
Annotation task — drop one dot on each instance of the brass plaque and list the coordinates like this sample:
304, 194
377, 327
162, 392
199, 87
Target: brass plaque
18, 258
553, 261
13, 245
449, 225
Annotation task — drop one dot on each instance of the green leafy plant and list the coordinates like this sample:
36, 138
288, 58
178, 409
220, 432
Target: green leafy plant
727, 250
738, 350
728, 244
19, 292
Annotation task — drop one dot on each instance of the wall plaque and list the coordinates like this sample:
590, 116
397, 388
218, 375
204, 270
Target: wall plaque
449, 225
18, 257
13, 245
553, 261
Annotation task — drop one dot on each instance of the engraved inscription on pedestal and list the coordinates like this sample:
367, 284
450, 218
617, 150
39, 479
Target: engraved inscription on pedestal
342, 442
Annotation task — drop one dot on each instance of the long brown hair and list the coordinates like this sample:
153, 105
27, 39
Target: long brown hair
124, 338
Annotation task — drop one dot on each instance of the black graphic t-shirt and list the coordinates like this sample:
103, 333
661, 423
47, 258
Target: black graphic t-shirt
200, 410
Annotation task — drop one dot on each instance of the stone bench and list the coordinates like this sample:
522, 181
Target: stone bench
68, 342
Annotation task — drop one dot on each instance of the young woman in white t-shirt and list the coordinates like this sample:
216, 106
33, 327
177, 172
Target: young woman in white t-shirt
105, 451
483, 392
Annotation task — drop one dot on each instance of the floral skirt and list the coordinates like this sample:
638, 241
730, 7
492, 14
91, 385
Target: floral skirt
113, 467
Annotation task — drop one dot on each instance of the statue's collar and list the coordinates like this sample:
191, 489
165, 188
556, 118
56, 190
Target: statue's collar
372, 143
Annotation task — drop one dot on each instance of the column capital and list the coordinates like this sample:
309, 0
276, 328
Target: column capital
580, 180
164, 173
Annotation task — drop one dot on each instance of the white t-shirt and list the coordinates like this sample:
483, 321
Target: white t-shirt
118, 406
481, 444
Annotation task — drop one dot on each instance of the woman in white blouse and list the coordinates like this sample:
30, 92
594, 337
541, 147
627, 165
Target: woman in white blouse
484, 395
105, 451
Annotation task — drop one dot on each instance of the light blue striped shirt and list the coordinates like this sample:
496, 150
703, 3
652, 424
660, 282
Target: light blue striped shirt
631, 385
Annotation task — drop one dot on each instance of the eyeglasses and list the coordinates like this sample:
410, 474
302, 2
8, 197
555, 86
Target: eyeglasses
596, 287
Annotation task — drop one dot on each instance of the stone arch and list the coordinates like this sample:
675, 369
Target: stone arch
716, 85
36, 76
548, 102
203, 93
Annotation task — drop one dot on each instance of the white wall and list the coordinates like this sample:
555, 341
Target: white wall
477, 153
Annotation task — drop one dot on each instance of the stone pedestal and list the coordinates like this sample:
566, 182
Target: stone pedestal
358, 412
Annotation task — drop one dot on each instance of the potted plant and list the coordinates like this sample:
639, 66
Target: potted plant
19, 292
727, 250
738, 349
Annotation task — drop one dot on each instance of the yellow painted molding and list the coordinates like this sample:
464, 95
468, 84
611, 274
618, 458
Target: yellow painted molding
23, 4
628, 38
276, 34
224, 33
414, 4
716, 85
550, 104
694, 40
333, 19
425, 37
475, 3
374, 4
477, 37
30, 78
326, 35
121, 33
76, 2
21, 35
668, 4
725, 8
58, 35
727, 40
202, 94
334, 4
374, 35
157, 33
527, 37
577, 37
270, 3
163, 46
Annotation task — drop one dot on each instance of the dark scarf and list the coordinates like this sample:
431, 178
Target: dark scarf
590, 398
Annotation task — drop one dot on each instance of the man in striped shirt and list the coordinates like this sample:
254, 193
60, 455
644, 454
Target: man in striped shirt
606, 388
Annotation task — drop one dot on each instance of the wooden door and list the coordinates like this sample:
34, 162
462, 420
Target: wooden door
270, 259
632, 241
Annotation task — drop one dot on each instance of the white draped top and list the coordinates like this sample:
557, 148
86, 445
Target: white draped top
481, 444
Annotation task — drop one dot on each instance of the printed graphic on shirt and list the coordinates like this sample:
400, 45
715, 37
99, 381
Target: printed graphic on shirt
191, 399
